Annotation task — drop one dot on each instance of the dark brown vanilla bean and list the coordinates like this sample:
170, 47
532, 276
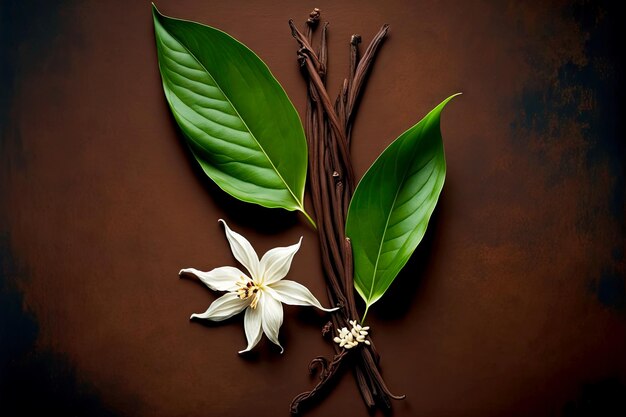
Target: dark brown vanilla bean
362, 70
314, 68
327, 372
355, 40
328, 130
348, 274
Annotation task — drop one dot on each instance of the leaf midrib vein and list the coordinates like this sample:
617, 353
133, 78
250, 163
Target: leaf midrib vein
380, 246
266, 186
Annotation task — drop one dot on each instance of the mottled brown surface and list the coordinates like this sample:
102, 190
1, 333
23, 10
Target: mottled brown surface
513, 305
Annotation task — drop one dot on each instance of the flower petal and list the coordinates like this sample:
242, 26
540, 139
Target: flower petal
293, 293
276, 263
272, 312
223, 308
218, 279
252, 325
243, 251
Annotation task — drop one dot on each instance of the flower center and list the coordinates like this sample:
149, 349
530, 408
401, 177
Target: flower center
246, 288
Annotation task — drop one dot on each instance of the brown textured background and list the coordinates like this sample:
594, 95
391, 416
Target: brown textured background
515, 303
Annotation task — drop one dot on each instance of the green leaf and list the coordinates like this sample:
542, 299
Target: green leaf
237, 119
392, 205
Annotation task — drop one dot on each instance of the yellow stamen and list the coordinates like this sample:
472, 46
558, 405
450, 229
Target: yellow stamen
255, 299
248, 289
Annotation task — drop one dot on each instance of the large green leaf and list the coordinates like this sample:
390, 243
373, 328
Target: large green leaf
237, 119
392, 205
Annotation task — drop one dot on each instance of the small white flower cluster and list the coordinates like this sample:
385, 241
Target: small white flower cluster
350, 338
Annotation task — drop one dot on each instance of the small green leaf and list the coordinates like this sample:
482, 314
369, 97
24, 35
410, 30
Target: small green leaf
237, 119
392, 205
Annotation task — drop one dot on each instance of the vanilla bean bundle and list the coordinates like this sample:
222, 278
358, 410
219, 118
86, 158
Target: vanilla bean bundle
328, 129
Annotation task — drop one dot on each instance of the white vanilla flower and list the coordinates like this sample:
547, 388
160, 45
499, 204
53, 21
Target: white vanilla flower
348, 339
260, 294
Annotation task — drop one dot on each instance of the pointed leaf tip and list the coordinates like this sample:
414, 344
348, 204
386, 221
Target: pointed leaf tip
393, 203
